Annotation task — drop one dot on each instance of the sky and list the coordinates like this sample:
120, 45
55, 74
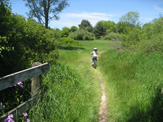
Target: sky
97, 10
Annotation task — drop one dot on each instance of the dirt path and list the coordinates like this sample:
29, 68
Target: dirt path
103, 117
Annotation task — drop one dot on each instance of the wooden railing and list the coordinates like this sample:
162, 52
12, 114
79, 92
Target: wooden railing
35, 73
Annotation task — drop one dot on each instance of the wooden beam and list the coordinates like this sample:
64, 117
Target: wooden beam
20, 109
12, 79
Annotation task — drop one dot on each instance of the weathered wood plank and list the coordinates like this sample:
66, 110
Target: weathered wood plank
14, 78
36, 82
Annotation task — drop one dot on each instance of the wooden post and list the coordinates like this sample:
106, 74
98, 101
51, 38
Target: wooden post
36, 81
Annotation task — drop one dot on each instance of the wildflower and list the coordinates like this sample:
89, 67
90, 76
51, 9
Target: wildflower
9, 118
25, 114
20, 84
28, 120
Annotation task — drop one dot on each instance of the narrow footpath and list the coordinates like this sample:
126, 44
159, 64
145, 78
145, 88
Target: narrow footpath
103, 117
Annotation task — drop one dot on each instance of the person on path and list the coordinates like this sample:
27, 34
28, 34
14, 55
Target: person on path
94, 53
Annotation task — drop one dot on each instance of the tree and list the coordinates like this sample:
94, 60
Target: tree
109, 26
73, 29
65, 32
99, 30
45, 10
131, 18
86, 25
123, 27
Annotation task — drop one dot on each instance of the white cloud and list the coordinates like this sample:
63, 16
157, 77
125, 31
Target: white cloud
73, 19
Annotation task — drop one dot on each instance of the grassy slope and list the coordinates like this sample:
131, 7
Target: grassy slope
79, 59
74, 91
134, 83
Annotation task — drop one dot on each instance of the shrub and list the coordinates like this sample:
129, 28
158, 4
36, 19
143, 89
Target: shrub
82, 35
65, 32
28, 42
152, 45
22, 42
113, 37
69, 41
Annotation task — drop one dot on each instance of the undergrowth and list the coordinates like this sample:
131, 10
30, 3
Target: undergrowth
67, 98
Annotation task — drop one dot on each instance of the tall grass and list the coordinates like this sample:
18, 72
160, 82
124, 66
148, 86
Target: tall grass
73, 87
134, 83
68, 98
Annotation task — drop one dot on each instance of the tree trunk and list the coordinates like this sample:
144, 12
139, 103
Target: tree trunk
46, 12
46, 21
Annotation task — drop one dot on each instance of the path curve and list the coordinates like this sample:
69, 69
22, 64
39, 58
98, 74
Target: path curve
103, 117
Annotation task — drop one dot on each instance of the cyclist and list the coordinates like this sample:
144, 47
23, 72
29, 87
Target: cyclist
94, 53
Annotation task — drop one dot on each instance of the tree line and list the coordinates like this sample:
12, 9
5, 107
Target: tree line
145, 38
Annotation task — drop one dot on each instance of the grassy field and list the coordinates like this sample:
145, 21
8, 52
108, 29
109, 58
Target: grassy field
73, 87
134, 85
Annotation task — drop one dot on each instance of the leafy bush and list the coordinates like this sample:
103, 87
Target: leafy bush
147, 39
152, 45
28, 42
82, 35
65, 32
113, 37
22, 42
69, 41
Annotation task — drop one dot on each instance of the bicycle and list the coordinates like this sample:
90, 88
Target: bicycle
95, 63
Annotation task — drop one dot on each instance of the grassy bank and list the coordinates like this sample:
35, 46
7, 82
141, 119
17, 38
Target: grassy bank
133, 82
67, 98
73, 87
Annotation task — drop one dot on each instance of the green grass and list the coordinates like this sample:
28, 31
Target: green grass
67, 98
133, 82
73, 87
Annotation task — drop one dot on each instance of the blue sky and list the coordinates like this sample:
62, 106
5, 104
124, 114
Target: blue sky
96, 10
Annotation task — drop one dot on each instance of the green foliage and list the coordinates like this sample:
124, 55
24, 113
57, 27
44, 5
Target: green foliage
132, 38
65, 32
99, 30
57, 33
113, 37
153, 45
82, 35
3, 47
123, 27
14, 58
86, 25
131, 17
109, 26
73, 29
69, 41
23, 42
134, 84
147, 39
